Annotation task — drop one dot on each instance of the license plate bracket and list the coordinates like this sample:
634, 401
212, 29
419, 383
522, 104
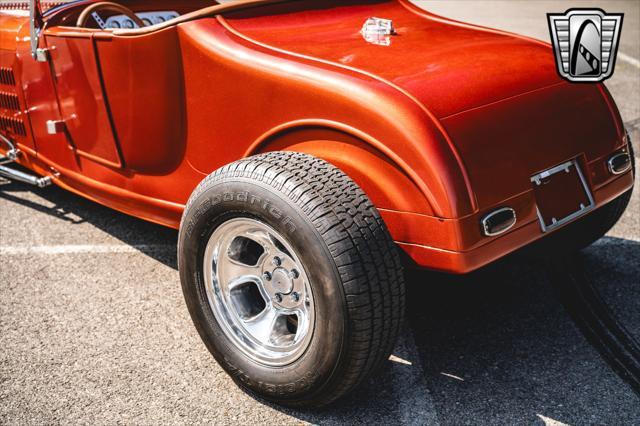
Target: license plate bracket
562, 195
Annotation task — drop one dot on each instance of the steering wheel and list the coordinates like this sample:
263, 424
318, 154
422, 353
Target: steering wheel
92, 11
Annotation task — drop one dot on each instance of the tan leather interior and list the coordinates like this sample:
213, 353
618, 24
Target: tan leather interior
202, 13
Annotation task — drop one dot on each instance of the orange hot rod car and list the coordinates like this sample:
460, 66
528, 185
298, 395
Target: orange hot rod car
303, 148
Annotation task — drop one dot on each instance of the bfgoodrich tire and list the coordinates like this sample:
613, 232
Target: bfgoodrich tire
290, 277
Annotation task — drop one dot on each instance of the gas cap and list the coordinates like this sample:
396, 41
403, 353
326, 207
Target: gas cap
378, 31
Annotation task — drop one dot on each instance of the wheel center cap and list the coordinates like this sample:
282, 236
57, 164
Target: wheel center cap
281, 282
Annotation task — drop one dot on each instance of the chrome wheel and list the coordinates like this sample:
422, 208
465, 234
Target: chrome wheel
259, 291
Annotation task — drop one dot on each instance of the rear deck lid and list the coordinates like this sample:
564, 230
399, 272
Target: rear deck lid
449, 67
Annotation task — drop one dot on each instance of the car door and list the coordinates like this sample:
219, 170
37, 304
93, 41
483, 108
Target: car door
143, 80
84, 108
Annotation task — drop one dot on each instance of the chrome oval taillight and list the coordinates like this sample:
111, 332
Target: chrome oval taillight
498, 221
619, 163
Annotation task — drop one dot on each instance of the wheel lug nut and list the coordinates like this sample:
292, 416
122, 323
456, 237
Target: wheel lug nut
278, 297
277, 261
266, 276
293, 274
295, 296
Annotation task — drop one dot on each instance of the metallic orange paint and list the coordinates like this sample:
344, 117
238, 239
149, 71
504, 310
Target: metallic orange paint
81, 99
440, 127
152, 140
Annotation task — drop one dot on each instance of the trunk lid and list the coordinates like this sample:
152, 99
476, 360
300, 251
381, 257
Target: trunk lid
447, 66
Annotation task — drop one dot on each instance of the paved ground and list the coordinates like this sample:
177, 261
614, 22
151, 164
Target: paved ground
93, 328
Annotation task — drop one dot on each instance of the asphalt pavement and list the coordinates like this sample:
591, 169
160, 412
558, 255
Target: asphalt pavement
93, 327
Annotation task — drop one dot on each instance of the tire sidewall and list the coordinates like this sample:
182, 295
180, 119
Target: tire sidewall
224, 200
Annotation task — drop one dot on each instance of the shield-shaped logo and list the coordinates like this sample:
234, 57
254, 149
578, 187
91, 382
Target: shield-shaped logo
585, 42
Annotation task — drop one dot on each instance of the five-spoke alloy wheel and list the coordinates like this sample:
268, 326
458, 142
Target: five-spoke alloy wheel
259, 291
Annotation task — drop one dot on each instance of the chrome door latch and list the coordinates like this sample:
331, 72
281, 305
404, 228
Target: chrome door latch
42, 55
55, 126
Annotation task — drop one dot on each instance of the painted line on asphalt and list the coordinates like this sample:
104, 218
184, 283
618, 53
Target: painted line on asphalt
415, 404
83, 249
629, 59
453, 376
22, 250
548, 421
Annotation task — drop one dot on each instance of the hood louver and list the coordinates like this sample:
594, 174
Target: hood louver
24, 5
13, 125
6, 77
10, 111
9, 101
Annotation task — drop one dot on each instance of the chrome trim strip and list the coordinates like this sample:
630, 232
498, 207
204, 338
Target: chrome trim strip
613, 158
485, 220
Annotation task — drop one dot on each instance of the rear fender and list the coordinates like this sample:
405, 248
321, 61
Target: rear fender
280, 87
388, 184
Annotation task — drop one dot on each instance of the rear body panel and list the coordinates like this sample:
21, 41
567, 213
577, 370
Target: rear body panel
498, 96
448, 67
504, 144
439, 127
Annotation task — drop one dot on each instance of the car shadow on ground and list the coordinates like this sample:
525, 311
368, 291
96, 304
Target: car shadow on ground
525, 340
517, 342
156, 241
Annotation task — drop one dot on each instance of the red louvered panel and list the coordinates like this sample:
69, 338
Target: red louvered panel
12, 125
24, 5
9, 101
6, 77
